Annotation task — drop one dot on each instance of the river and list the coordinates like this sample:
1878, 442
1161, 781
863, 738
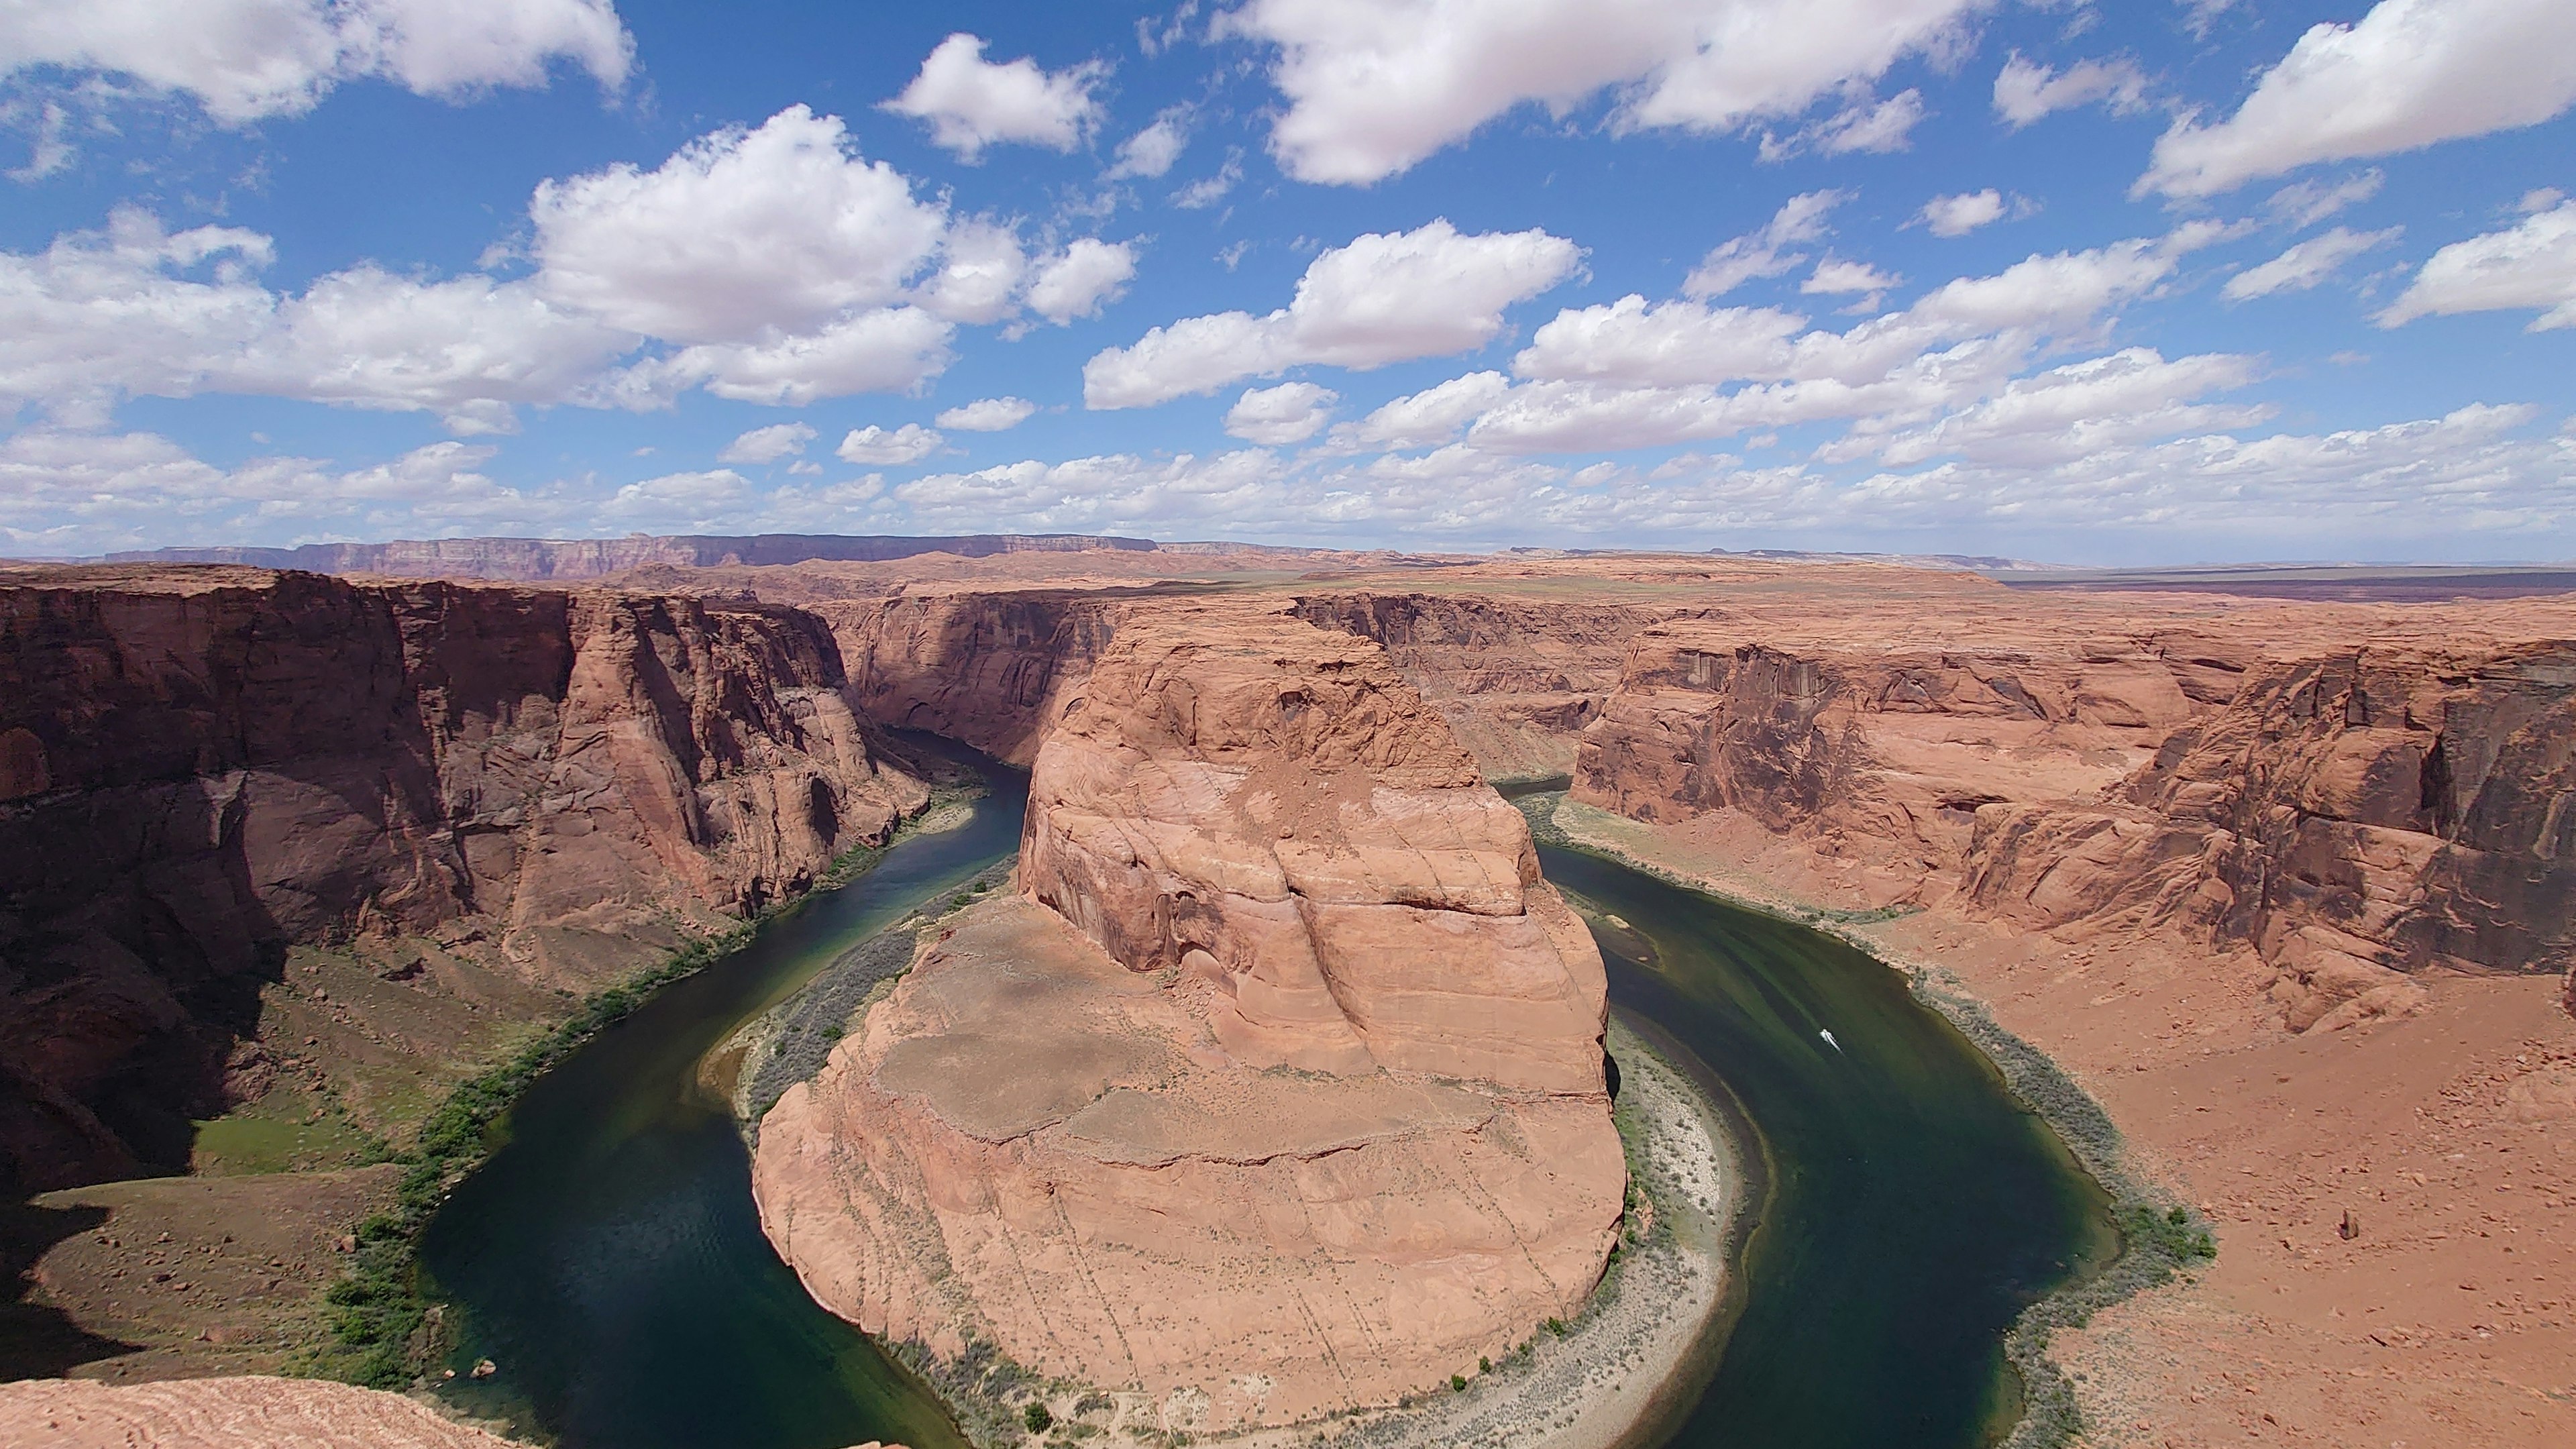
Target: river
608, 1258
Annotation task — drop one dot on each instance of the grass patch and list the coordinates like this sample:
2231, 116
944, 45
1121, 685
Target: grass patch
383, 1330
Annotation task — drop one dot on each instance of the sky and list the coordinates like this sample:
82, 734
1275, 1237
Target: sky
2159, 282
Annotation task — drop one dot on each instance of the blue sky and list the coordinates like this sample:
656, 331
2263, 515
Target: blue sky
2154, 282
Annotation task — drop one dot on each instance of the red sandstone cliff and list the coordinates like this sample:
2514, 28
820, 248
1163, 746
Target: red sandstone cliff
1278, 1091
201, 767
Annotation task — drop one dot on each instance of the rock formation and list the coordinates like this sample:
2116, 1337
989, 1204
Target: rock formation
199, 767
215, 1413
1277, 1090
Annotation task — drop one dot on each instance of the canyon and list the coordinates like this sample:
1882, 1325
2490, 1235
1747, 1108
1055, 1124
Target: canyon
2283, 884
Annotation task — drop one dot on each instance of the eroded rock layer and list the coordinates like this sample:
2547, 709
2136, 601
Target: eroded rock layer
214, 1413
200, 767
1277, 1090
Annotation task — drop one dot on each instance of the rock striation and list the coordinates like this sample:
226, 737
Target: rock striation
199, 767
1277, 1088
2355, 813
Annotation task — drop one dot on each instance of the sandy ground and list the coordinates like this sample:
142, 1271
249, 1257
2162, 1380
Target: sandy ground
1613, 1368
2446, 1318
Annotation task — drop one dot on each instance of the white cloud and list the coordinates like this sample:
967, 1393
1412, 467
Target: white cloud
1292, 412
73, 492
2130, 397
2306, 264
1077, 282
1660, 345
972, 103
1151, 151
1765, 253
1862, 125
244, 60
2303, 204
1961, 214
1427, 418
2531, 265
872, 444
979, 273
987, 415
2409, 74
1386, 297
739, 233
102, 314
1375, 87
767, 445
893, 349
1835, 276
2025, 90
1210, 189
692, 502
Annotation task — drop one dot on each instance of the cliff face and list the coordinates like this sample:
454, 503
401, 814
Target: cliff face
2354, 816
1279, 1088
986, 669
1514, 679
201, 767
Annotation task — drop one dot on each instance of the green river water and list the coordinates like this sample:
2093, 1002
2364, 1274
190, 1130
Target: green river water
608, 1258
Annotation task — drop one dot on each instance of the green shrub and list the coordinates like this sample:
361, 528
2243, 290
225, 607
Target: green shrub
1458, 1383
1037, 1418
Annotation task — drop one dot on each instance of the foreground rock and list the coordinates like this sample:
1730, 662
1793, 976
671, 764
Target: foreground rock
1279, 1091
200, 768
220, 1413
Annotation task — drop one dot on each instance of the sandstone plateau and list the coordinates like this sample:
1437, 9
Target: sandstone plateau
200, 768
1278, 1087
213, 1413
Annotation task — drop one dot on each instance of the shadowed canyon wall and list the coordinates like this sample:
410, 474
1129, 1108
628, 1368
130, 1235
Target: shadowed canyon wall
201, 767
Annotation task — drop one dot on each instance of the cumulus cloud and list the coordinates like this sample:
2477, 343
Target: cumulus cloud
245, 60
2305, 265
1427, 418
1836, 276
767, 445
872, 444
70, 492
1962, 214
2408, 74
1765, 253
1386, 297
2531, 265
132, 309
2026, 91
740, 232
972, 103
987, 415
1632, 374
1086, 276
1151, 151
979, 273
1374, 88
1292, 412
2129, 397
892, 349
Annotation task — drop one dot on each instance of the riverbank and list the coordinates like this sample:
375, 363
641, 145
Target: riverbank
1643, 1341
2160, 1238
2393, 1269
